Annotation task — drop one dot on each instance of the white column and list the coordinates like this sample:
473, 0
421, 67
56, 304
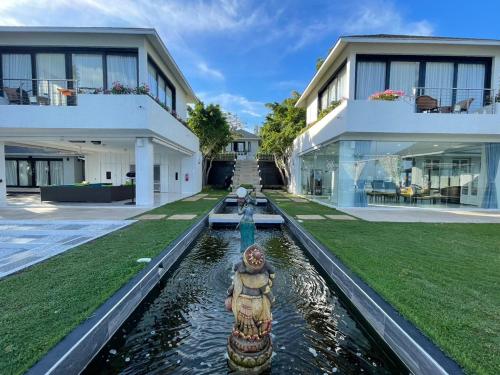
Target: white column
144, 178
164, 176
3, 180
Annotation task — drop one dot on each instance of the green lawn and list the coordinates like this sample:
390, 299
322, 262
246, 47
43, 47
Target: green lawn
445, 278
42, 304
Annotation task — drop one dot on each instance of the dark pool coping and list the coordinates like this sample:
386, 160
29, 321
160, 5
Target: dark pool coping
420, 355
72, 354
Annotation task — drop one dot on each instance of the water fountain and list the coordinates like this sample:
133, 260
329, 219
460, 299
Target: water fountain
183, 327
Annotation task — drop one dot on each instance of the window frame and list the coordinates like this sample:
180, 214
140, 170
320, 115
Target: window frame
168, 83
68, 52
32, 162
324, 88
423, 60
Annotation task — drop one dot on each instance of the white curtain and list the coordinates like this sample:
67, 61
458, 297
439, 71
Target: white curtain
332, 91
122, 69
87, 69
56, 172
25, 173
404, 76
152, 82
16, 70
11, 172
439, 81
51, 70
42, 172
370, 78
342, 84
170, 98
161, 90
470, 84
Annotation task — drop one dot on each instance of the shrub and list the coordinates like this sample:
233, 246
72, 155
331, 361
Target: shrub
389, 95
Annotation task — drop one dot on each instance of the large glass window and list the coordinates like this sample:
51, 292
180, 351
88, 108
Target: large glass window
87, 69
25, 173
370, 78
152, 80
16, 70
159, 86
429, 174
51, 75
404, 76
11, 172
335, 90
122, 69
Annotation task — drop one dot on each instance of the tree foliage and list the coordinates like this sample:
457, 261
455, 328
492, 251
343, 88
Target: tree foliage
281, 127
211, 127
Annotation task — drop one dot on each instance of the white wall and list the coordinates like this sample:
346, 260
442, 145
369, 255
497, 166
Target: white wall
118, 163
3, 182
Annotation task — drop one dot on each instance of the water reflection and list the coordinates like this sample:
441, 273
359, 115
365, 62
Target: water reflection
185, 327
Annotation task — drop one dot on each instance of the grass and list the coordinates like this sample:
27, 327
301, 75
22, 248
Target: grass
445, 278
42, 304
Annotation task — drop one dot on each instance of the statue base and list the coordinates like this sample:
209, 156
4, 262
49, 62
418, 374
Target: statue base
255, 361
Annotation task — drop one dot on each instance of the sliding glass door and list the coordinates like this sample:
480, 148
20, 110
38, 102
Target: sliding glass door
404, 76
34, 172
87, 69
51, 75
122, 69
17, 73
370, 78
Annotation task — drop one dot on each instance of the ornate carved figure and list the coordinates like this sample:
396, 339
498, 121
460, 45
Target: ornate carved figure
250, 299
247, 228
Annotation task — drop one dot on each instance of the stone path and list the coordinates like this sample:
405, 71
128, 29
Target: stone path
194, 198
27, 242
182, 217
151, 217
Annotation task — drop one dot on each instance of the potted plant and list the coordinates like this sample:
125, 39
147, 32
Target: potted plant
388, 95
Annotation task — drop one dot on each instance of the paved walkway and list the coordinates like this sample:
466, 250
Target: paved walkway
24, 243
424, 215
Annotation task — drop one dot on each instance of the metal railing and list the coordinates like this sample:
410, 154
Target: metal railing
454, 100
265, 157
226, 156
54, 92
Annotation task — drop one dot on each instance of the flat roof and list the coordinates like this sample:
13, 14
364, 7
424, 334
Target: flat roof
344, 40
149, 33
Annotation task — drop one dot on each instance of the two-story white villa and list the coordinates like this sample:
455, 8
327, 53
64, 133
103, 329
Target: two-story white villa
436, 144
82, 92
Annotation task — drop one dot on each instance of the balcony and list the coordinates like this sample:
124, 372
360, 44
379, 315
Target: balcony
39, 92
454, 100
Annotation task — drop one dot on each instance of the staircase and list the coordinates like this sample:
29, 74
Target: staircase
246, 172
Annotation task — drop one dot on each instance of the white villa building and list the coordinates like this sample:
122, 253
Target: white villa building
244, 144
437, 145
80, 93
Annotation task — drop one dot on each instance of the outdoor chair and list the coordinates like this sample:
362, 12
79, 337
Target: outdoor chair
16, 96
426, 104
463, 105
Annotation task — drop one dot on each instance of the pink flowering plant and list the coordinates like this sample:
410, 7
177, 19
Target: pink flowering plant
389, 95
119, 89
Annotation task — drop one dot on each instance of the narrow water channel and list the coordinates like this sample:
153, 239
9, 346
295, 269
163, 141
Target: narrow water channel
183, 327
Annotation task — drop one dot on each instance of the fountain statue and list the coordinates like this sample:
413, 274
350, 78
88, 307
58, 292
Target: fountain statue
246, 224
250, 299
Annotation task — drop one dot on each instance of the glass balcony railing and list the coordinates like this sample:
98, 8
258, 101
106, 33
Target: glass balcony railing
54, 92
455, 100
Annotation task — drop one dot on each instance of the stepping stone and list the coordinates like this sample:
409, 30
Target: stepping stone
283, 200
210, 198
340, 217
182, 217
310, 217
151, 217
194, 198
299, 200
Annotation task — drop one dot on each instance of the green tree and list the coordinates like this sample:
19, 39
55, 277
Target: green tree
281, 127
212, 128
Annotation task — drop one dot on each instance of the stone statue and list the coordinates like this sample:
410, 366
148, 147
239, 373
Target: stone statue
250, 299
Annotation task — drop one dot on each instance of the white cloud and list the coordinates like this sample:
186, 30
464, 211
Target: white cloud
235, 103
205, 71
383, 17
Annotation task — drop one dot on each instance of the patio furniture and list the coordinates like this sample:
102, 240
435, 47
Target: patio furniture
95, 193
426, 104
16, 96
463, 105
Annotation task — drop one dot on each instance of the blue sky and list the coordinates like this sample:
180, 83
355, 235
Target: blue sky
241, 53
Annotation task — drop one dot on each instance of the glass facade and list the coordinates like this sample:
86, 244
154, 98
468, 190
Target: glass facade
362, 173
